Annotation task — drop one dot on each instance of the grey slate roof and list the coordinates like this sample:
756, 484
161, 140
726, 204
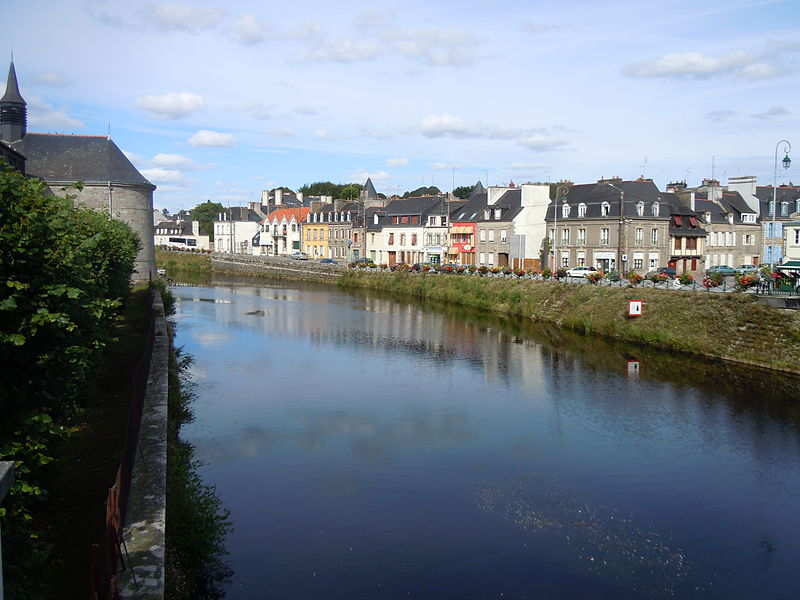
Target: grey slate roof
472, 210
412, 206
369, 189
241, 213
510, 203
477, 189
12, 87
88, 158
594, 194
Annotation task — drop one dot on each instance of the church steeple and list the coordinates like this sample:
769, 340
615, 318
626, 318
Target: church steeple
13, 110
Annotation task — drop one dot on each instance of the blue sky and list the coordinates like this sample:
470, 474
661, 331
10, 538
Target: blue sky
218, 100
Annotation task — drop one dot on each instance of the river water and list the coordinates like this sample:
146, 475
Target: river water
371, 447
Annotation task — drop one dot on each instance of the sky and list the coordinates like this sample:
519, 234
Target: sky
218, 101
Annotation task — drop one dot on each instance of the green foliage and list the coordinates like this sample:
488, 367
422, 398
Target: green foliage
423, 191
196, 521
205, 214
462, 191
64, 272
351, 191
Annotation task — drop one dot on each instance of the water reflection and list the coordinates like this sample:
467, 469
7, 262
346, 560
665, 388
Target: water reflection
364, 415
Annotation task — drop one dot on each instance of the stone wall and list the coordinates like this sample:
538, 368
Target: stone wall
276, 266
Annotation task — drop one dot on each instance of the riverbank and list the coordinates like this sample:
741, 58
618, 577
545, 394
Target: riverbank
733, 327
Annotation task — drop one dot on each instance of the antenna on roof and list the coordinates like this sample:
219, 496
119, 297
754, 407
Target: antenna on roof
712, 166
109, 131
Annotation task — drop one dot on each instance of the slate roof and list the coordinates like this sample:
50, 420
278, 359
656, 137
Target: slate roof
477, 189
87, 158
788, 194
594, 194
472, 210
369, 189
241, 213
510, 203
412, 206
12, 87
371, 212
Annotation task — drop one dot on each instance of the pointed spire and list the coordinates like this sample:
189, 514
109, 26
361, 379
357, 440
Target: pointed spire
369, 189
13, 110
477, 189
12, 87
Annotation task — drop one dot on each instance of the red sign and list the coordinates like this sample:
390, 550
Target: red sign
634, 308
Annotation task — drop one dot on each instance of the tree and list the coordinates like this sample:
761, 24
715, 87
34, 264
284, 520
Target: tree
462, 191
321, 188
423, 191
206, 213
351, 191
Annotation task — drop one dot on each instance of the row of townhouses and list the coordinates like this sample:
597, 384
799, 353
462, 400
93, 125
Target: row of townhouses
611, 224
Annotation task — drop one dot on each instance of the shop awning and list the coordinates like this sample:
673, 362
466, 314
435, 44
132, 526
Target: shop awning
461, 229
789, 265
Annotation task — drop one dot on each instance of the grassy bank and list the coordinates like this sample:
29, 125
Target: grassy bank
182, 261
726, 326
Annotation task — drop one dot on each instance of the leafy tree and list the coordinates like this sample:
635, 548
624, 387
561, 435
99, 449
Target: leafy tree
64, 272
462, 191
206, 213
321, 188
423, 191
350, 191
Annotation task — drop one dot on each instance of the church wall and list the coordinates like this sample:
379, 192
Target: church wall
131, 204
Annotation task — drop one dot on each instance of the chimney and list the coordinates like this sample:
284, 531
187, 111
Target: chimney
278, 197
300, 198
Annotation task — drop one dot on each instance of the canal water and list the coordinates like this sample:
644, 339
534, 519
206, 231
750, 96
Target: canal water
371, 447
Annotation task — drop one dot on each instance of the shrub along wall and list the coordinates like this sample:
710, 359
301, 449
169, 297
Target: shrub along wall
726, 326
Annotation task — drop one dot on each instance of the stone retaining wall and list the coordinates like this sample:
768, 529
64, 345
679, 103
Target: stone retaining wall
144, 532
276, 266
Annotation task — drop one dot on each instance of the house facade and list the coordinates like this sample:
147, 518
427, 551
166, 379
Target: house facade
182, 235
400, 238
235, 229
280, 232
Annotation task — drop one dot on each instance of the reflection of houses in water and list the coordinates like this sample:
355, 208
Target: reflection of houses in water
370, 324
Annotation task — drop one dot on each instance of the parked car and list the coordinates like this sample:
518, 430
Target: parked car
668, 271
747, 269
584, 271
724, 269
329, 261
299, 256
363, 261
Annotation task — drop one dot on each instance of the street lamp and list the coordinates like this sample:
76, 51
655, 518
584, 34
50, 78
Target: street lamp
787, 162
562, 191
620, 262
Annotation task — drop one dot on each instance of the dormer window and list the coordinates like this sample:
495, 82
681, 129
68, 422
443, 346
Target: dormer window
564, 211
605, 209
784, 209
640, 208
487, 214
497, 213
655, 209
375, 218
581, 210
730, 218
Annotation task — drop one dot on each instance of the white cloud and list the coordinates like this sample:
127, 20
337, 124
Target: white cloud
158, 175
524, 166
258, 109
214, 139
396, 162
771, 113
539, 142
436, 46
343, 51
443, 166
534, 27
305, 109
54, 79
248, 30
696, 65
376, 134
285, 133
720, 115
171, 106
175, 17
450, 126
176, 161
323, 134
44, 116
362, 175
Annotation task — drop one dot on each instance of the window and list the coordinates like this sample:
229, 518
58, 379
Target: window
487, 214
565, 237
564, 211
604, 236
748, 218
581, 236
748, 239
797, 236
639, 236
784, 209
413, 239
482, 235
638, 263
308, 234
402, 239
771, 209
414, 219
497, 213
372, 238
503, 235
491, 258
321, 234
314, 235
391, 239
654, 237
678, 241
482, 258
691, 243
605, 209
581, 210
655, 209
355, 237
640, 208
491, 235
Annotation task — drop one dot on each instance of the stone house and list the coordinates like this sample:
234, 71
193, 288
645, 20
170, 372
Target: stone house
181, 234
280, 232
236, 230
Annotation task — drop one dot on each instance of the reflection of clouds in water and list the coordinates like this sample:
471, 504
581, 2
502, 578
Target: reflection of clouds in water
253, 441
197, 372
211, 451
372, 439
209, 339
340, 484
611, 545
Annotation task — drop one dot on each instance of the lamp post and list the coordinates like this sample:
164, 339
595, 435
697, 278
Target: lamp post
620, 262
561, 191
787, 162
